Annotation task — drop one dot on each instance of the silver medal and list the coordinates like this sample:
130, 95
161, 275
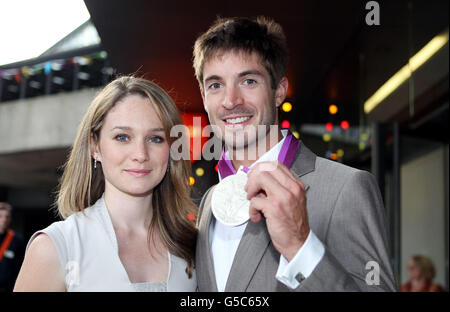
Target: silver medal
229, 202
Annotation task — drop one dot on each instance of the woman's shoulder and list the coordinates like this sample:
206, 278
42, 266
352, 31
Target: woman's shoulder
436, 288
88, 214
72, 225
42, 269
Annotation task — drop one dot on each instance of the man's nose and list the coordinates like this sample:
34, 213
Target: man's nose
233, 97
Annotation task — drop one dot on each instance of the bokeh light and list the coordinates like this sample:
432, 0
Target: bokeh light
286, 107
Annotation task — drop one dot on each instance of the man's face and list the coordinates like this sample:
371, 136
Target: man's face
238, 97
5, 220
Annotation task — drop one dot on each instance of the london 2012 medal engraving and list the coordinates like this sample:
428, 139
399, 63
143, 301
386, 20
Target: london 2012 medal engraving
229, 201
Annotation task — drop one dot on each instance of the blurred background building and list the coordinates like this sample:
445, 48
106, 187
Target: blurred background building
370, 93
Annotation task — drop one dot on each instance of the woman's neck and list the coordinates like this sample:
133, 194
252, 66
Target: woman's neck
419, 284
128, 213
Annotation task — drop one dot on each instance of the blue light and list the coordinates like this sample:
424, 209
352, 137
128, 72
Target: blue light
47, 68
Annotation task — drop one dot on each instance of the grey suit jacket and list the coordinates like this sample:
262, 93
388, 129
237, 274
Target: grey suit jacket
346, 213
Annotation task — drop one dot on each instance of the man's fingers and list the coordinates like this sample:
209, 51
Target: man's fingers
280, 182
257, 208
265, 182
278, 170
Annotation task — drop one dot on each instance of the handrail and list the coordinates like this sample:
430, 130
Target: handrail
64, 71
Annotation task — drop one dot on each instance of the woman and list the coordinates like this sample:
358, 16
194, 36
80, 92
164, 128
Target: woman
421, 273
137, 235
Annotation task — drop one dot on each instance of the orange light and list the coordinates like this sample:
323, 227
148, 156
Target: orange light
286, 107
333, 109
334, 156
195, 122
329, 126
285, 124
345, 125
191, 181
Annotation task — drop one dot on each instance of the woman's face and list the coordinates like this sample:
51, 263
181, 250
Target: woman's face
413, 270
132, 148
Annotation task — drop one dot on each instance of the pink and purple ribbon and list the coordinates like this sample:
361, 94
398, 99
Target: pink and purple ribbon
286, 156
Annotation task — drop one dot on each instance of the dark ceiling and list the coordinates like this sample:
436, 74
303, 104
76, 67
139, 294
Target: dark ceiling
335, 56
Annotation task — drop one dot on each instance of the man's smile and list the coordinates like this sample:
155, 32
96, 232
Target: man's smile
237, 121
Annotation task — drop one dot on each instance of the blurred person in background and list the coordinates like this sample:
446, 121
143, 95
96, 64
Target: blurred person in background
12, 247
125, 201
421, 273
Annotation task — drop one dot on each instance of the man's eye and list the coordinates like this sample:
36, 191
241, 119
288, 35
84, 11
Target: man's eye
156, 139
122, 138
249, 81
214, 86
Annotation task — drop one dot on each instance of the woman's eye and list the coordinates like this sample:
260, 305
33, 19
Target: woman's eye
121, 138
156, 139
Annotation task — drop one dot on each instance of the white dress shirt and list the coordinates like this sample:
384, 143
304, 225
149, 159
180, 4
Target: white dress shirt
225, 242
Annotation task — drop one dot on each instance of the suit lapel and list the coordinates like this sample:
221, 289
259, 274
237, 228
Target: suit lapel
256, 238
205, 269
305, 161
254, 243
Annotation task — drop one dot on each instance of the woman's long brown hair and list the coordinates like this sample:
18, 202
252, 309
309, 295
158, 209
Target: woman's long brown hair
81, 185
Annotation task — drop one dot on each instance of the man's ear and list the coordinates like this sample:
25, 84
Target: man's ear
281, 91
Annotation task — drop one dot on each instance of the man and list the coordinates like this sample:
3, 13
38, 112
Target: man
315, 225
12, 249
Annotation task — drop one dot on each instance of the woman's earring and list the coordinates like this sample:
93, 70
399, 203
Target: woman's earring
95, 163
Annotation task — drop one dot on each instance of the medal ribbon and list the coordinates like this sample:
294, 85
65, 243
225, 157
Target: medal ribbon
286, 156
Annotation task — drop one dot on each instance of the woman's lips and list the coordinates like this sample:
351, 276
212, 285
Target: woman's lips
138, 172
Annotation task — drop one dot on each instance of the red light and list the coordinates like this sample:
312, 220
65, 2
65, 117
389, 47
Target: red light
195, 123
329, 126
345, 125
216, 168
191, 216
285, 124
18, 77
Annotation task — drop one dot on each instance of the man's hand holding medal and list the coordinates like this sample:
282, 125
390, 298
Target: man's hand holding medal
268, 189
275, 193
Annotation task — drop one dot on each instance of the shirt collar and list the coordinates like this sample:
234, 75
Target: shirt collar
270, 155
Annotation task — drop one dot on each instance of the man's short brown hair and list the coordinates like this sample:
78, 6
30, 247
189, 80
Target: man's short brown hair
261, 35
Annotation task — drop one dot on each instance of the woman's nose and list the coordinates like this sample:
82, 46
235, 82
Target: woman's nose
141, 152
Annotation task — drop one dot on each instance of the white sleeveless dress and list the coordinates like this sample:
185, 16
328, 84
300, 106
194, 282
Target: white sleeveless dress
89, 255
